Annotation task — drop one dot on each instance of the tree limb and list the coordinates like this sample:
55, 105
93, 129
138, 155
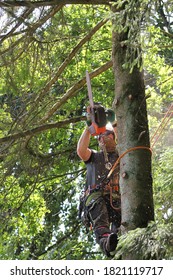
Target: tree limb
60, 240
20, 20
40, 129
68, 59
35, 4
27, 39
64, 65
74, 89
70, 93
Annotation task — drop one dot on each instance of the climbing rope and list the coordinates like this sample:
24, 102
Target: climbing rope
123, 154
154, 139
116, 164
162, 125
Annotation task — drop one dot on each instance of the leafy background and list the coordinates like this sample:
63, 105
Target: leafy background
44, 53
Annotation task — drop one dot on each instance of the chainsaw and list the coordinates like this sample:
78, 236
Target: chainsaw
98, 114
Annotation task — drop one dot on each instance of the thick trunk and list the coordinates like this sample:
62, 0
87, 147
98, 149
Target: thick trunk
135, 166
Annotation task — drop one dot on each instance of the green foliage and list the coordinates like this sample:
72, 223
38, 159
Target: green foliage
151, 243
163, 185
5, 120
41, 176
129, 19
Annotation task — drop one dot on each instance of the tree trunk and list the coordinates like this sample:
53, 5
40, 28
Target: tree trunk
132, 124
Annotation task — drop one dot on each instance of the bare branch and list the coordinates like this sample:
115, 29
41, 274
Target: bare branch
40, 129
63, 66
60, 240
74, 89
35, 4
168, 34
68, 59
71, 92
20, 21
30, 29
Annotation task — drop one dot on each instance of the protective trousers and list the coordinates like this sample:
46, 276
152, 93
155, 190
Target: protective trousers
101, 214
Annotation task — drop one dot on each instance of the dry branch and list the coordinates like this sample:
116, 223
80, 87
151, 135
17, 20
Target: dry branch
20, 20
74, 89
39, 129
27, 39
68, 59
43, 127
36, 4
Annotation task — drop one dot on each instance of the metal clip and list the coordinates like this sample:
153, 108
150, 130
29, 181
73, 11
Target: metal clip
108, 165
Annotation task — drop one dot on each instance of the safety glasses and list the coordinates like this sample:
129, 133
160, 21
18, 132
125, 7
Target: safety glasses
106, 133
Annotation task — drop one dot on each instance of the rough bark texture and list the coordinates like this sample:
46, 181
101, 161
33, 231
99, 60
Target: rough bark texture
135, 166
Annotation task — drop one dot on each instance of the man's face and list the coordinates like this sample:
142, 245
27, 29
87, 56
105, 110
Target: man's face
108, 139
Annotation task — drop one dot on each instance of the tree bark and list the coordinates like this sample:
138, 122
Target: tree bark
133, 131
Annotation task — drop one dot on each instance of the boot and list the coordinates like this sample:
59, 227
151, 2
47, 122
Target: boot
109, 244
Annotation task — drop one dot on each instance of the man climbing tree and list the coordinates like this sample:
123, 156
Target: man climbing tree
133, 133
51, 68
101, 200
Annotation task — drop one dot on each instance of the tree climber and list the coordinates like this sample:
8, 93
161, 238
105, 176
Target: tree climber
101, 198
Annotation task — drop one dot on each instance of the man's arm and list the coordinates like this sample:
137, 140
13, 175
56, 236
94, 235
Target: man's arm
82, 147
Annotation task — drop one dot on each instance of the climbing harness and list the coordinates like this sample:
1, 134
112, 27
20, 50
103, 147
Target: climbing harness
101, 187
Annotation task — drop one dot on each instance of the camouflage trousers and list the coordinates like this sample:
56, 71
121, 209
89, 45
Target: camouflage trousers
103, 217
